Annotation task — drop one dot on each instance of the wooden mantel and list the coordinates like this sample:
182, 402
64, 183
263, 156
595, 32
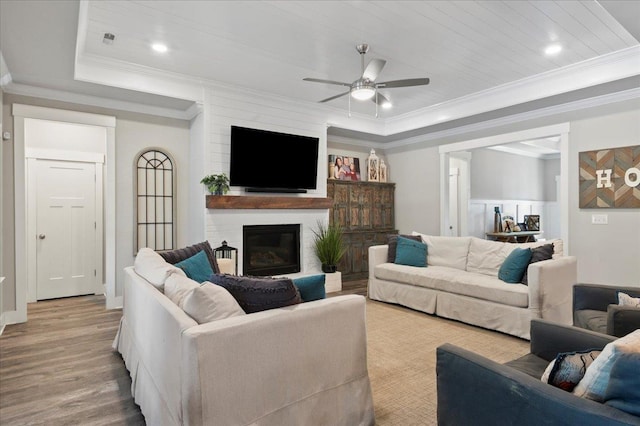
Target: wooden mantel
253, 202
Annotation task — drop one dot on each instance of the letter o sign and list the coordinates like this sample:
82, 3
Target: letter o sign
627, 177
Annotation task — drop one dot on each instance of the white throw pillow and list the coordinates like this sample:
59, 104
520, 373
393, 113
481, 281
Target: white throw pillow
596, 379
153, 268
486, 256
177, 287
210, 302
625, 300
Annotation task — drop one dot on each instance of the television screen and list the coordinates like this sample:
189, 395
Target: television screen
262, 159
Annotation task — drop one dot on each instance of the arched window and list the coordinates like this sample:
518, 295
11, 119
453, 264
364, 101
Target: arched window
155, 203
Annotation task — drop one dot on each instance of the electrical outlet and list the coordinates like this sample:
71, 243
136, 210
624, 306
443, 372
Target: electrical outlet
599, 219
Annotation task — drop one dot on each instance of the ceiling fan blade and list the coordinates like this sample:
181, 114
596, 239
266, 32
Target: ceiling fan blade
334, 97
373, 69
318, 80
404, 83
380, 99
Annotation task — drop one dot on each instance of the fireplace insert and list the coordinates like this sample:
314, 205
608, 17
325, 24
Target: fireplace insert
270, 249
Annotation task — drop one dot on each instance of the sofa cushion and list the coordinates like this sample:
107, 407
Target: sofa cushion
591, 319
513, 268
177, 286
411, 253
451, 252
209, 302
311, 287
568, 368
595, 381
623, 391
392, 242
196, 267
256, 294
153, 268
486, 256
178, 255
452, 280
538, 254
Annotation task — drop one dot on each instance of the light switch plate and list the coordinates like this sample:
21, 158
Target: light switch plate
599, 219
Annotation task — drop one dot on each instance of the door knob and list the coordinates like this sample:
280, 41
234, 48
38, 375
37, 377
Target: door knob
42, 236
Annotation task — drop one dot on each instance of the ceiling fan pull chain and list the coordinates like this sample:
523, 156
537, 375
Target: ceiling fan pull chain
376, 103
349, 105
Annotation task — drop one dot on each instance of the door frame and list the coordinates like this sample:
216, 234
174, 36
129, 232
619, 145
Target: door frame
562, 130
20, 113
32, 156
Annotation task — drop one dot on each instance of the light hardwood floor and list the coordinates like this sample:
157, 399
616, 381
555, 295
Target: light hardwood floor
59, 368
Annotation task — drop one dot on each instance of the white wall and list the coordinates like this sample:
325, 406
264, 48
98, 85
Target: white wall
227, 108
133, 134
607, 254
416, 174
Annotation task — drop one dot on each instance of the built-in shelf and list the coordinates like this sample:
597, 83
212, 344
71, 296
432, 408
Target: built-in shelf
253, 202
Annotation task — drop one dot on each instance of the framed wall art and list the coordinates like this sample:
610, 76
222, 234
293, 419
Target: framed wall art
610, 178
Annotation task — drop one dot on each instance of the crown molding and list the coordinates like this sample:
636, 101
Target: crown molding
517, 118
602, 69
63, 96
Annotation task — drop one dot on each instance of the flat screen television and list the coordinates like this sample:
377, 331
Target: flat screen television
265, 161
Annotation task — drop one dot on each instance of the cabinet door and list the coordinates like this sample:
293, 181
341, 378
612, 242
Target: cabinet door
339, 192
361, 207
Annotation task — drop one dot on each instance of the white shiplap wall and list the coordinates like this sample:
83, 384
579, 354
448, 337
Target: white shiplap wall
226, 108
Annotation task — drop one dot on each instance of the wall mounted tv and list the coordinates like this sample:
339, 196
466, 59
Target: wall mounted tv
265, 161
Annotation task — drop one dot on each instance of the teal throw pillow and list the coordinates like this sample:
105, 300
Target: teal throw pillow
197, 267
311, 287
515, 265
411, 253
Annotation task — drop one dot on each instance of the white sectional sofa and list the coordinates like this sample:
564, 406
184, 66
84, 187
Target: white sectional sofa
297, 365
461, 282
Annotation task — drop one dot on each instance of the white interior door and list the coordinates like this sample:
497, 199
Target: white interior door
66, 228
454, 208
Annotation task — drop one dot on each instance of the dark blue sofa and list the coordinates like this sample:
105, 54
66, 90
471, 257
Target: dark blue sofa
473, 390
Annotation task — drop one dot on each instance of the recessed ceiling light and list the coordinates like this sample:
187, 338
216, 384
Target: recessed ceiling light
159, 47
553, 49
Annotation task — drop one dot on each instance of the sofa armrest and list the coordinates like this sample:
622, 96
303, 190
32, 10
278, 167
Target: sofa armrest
550, 288
473, 390
377, 255
304, 360
549, 338
622, 320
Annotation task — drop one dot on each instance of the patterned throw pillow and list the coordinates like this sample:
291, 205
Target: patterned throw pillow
566, 371
625, 300
255, 294
595, 381
178, 255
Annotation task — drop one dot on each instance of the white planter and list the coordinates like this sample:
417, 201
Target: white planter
333, 282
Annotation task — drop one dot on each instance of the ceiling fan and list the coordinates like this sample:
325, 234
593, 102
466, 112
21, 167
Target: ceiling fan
365, 87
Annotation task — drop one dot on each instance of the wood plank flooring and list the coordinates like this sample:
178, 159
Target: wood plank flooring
59, 368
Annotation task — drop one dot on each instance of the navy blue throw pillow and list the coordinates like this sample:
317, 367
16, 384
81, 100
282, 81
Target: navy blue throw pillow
255, 294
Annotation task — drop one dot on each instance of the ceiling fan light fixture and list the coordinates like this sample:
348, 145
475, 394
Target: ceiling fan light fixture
363, 91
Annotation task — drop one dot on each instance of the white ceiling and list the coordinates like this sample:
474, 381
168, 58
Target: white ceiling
464, 47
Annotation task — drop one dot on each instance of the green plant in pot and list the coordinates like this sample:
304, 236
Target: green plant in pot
329, 246
216, 184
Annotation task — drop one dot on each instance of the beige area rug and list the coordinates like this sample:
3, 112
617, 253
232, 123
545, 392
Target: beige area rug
401, 352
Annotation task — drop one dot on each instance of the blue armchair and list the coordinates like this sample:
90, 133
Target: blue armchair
473, 390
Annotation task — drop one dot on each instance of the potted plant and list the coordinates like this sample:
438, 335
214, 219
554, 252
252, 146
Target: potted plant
216, 184
328, 246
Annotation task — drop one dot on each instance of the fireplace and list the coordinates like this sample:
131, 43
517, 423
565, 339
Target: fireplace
270, 249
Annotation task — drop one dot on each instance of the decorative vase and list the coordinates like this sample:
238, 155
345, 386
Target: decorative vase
497, 220
383, 171
373, 167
